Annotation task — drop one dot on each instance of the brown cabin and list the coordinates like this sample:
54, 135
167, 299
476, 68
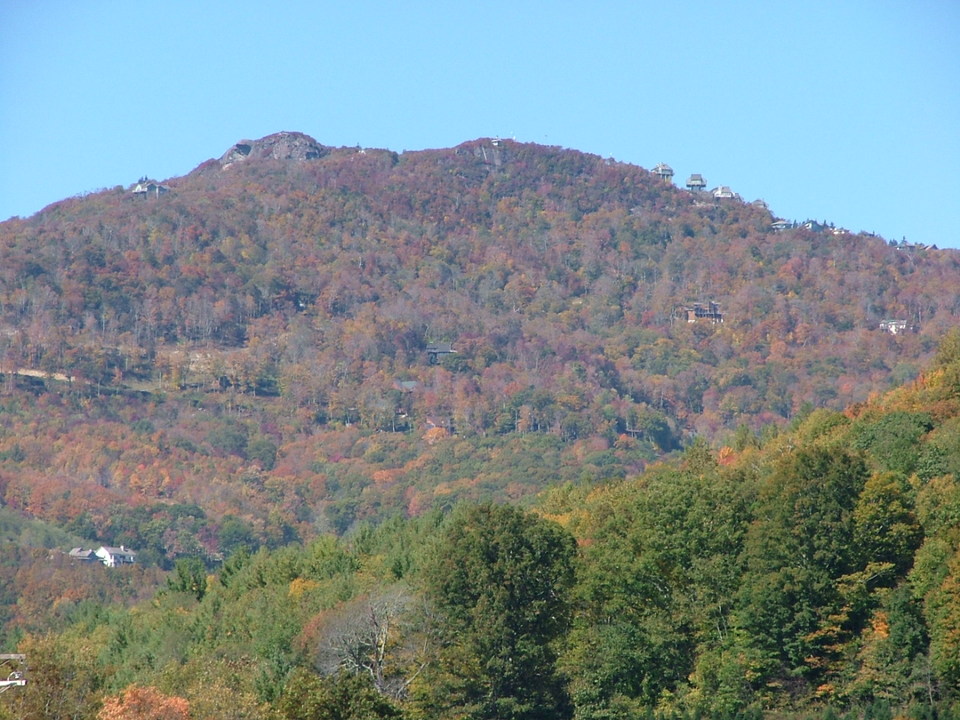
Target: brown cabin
664, 172
700, 311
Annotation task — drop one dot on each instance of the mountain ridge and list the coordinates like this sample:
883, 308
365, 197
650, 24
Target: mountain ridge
283, 145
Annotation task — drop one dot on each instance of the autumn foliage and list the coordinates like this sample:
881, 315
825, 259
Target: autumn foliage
235, 380
244, 359
144, 703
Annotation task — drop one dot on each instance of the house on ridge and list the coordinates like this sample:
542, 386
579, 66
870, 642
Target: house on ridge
145, 187
664, 172
724, 193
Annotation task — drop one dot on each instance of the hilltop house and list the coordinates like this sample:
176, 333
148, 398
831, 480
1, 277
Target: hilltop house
148, 187
664, 172
696, 183
723, 192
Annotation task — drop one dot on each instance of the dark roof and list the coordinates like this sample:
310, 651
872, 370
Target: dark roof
145, 186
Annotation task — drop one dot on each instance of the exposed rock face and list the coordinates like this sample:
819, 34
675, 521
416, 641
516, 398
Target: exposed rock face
279, 146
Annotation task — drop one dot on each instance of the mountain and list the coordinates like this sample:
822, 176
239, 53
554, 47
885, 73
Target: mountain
294, 338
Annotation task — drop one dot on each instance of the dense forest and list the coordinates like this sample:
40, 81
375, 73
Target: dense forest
244, 357
494, 431
814, 573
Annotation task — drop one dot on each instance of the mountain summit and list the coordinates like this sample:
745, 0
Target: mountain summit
279, 146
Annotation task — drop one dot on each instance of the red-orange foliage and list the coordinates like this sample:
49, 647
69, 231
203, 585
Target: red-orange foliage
144, 703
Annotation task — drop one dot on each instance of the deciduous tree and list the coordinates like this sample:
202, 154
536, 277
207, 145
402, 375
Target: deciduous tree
144, 703
500, 579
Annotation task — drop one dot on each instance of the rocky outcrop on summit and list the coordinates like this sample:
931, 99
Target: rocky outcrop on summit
279, 146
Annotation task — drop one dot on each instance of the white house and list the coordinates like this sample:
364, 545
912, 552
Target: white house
116, 556
724, 192
149, 187
896, 327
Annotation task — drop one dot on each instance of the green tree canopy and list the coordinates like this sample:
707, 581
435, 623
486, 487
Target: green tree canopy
500, 579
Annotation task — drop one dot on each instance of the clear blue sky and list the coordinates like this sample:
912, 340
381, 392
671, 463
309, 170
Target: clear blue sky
841, 111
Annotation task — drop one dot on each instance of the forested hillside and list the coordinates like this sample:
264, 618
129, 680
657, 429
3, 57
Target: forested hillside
256, 352
808, 574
